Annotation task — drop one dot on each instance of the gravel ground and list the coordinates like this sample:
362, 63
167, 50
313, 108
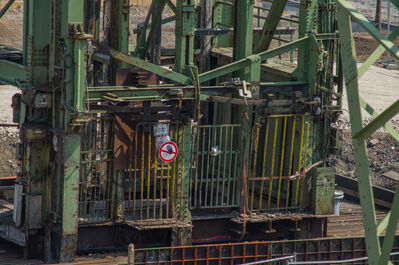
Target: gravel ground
8, 135
379, 88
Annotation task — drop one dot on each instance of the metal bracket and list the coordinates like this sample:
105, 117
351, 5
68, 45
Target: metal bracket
77, 32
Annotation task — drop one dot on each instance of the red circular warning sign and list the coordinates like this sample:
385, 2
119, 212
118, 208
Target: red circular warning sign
168, 152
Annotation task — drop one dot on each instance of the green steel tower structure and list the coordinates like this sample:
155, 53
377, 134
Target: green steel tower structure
360, 132
248, 107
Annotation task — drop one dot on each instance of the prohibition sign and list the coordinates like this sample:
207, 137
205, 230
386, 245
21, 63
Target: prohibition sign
168, 152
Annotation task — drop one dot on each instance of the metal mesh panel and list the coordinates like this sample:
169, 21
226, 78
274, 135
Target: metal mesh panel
278, 152
150, 185
96, 162
214, 182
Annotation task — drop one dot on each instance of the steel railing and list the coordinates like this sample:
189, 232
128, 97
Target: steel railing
278, 151
96, 165
150, 185
214, 182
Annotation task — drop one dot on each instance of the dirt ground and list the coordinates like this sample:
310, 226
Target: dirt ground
8, 135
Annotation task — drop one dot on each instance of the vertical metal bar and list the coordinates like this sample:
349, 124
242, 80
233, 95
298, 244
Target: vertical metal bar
305, 156
218, 168
281, 162
182, 172
299, 160
155, 184
291, 39
161, 190
264, 163
207, 166
224, 161
197, 169
174, 180
167, 190
235, 180
254, 164
214, 135
202, 170
148, 175
251, 164
94, 176
272, 165
291, 159
231, 178
142, 170
130, 169
135, 173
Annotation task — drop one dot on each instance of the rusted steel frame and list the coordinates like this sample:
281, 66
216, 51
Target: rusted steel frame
305, 250
144, 169
221, 170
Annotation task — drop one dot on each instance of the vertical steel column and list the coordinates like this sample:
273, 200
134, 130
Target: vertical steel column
37, 57
243, 36
119, 40
206, 41
182, 236
119, 34
243, 33
64, 231
359, 147
185, 26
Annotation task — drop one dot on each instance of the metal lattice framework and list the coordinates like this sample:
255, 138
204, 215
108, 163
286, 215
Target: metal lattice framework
70, 76
361, 132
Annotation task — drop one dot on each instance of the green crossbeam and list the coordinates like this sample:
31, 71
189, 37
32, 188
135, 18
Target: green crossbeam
375, 114
156, 69
237, 65
378, 122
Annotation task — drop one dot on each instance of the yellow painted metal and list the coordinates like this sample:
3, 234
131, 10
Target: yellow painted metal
305, 156
142, 174
264, 164
151, 198
291, 160
281, 163
256, 127
272, 166
277, 171
148, 175
300, 160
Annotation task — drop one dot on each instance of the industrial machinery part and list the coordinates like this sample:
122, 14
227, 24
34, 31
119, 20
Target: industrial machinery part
250, 114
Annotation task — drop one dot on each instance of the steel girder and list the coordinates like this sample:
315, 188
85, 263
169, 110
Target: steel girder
345, 11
